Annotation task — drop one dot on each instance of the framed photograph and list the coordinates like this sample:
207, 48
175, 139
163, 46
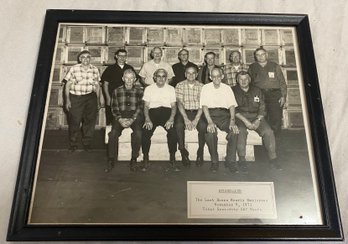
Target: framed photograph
66, 195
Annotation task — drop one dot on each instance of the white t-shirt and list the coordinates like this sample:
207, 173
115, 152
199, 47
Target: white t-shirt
150, 67
221, 97
159, 97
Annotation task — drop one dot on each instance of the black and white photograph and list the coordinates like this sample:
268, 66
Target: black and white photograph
166, 124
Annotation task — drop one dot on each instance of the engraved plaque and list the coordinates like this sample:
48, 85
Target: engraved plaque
95, 35
212, 36
290, 58
286, 36
231, 37
270, 37
76, 34
174, 36
251, 37
193, 36
115, 35
136, 35
155, 36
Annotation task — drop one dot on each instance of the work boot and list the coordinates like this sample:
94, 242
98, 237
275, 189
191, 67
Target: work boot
109, 165
199, 160
173, 162
214, 167
232, 167
133, 165
275, 164
145, 163
243, 165
185, 158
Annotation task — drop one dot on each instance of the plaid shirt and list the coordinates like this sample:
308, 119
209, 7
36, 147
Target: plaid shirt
188, 96
83, 81
127, 103
231, 71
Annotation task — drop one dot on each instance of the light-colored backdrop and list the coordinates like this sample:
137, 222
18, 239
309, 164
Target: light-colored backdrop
21, 24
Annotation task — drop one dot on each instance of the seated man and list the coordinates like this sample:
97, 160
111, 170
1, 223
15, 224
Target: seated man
159, 110
190, 117
218, 104
126, 107
250, 115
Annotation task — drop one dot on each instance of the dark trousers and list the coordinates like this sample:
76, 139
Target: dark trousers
221, 117
108, 115
274, 111
264, 130
201, 128
159, 117
116, 132
83, 110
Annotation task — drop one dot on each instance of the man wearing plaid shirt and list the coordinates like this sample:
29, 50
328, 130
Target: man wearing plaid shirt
234, 67
190, 117
126, 107
82, 100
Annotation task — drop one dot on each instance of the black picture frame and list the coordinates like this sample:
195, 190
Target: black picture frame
19, 230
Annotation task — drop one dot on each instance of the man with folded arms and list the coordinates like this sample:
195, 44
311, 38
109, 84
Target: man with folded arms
218, 103
159, 110
126, 107
250, 115
190, 117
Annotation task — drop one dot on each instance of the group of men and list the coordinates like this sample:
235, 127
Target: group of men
178, 98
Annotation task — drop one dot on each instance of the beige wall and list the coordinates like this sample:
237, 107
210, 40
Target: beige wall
21, 26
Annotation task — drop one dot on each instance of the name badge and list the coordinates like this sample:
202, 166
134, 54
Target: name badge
271, 74
256, 99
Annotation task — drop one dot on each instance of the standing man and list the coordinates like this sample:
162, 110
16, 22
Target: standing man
82, 100
204, 72
180, 68
159, 110
250, 115
234, 67
218, 104
112, 79
188, 94
126, 107
269, 77
149, 68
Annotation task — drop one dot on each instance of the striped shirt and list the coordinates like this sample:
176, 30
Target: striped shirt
83, 81
189, 95
127, 103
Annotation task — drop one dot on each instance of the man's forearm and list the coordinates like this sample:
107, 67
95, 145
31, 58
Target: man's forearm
173, 111
207, 114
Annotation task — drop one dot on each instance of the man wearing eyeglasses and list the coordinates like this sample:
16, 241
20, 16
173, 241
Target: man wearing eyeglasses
218, 103
82, 101
112, 79
156, 63
159, 110
268, 76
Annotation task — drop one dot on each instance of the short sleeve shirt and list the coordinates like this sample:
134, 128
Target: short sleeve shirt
221, 97
150, 67
83, 81
189, 95
159, 97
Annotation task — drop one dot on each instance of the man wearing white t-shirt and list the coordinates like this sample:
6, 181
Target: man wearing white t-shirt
159, 110
149, 68
218, 104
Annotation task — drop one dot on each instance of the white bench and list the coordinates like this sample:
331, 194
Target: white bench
159, 148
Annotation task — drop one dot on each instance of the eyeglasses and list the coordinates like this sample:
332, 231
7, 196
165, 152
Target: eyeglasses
87, 56
161, 76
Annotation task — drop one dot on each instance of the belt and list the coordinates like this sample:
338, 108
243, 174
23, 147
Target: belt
271, 89
223, 109
191, 110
